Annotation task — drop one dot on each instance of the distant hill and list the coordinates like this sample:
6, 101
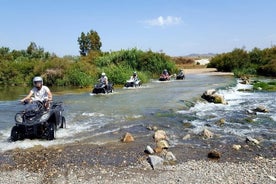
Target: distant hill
207, 55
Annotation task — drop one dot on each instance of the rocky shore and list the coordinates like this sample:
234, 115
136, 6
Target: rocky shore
119, 162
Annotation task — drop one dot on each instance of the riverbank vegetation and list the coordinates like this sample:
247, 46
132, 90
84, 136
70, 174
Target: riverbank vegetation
246, 63
18, 67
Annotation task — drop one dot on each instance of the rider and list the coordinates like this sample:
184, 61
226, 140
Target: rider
104, 79
181, 72
134, 76
39, 92
165, 72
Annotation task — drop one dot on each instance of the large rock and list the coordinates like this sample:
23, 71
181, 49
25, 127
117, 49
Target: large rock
211, 96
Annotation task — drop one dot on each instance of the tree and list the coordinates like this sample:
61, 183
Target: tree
89, 42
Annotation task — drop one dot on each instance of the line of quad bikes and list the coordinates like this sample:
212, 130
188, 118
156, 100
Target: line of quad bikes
40, 121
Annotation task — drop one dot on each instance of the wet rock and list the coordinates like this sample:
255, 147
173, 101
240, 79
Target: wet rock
160, 135
211, 96
261, 108
208, 95
220, 122
236, 147
244, 80
162, 144
219, 99
153, 128
252, 140
186, 137
207, 134
188, 125
155, 161
214, 154
127, 138
149, 150
250, 112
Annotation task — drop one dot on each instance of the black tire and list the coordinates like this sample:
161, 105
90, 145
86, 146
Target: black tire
16, 134
63, 122
50, 134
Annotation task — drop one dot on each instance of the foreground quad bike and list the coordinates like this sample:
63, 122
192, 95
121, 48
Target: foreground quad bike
102, 88
36, 121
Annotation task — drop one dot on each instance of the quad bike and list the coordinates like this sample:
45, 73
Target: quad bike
38, 121
103, 88
180, 77
164, 77
132, 83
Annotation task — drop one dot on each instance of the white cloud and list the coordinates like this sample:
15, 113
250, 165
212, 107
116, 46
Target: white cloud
164, 21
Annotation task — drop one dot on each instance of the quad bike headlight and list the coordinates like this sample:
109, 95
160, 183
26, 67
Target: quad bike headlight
18, 118
44, 117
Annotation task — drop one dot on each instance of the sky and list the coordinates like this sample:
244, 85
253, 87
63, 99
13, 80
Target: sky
175, 27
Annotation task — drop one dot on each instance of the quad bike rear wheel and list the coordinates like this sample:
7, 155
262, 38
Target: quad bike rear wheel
63, 122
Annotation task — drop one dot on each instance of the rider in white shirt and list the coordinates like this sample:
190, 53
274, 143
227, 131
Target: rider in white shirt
39, 92
104, 79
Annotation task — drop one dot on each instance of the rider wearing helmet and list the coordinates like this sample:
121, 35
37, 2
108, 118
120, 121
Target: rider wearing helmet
134, 76
39, 92
181, 72
104, 79
165, 72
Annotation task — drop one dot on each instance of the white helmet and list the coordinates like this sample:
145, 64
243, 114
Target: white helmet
103, 74
37, 79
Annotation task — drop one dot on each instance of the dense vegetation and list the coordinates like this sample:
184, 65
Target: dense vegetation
19, 67
241, 62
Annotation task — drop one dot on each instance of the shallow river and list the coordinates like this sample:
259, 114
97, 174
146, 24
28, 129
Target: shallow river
167, 105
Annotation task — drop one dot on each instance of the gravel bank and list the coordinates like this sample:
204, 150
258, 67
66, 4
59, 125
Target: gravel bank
259, 170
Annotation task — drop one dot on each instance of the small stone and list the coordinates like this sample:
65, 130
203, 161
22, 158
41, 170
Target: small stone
162, 144
261, 108
207, 134
149, 150
251, 140
158, 150
155, 161
127, 138
214, 154
170, 157
188, 136
160, 135
220, 122
236, 147
188, 125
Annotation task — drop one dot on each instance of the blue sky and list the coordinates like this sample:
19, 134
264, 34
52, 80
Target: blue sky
176, 27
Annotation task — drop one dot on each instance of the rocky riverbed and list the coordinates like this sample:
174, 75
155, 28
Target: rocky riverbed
118, 162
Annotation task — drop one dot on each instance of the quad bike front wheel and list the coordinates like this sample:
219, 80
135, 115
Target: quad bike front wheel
50, 131
16, 134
